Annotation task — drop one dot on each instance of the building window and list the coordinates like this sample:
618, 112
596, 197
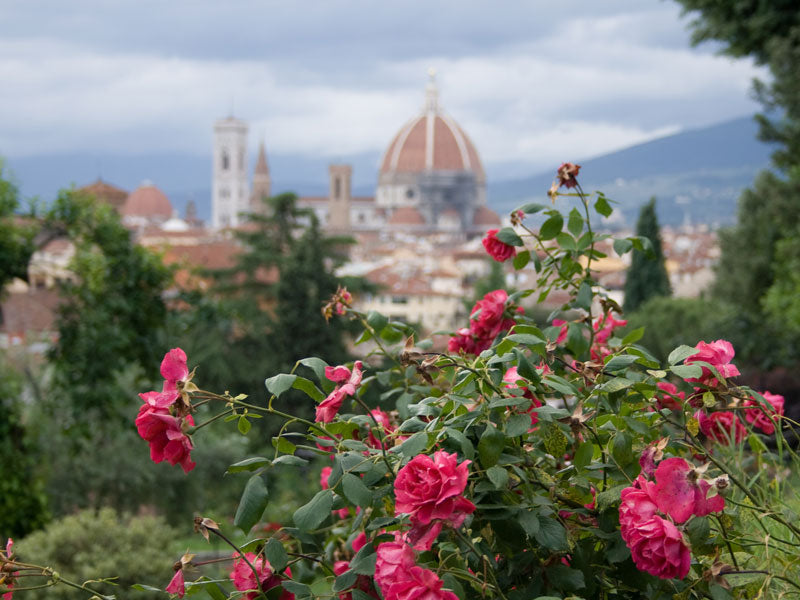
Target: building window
399, 299
409, 193
226, 160
337, 188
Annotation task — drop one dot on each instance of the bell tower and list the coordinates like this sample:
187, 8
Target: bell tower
230, 192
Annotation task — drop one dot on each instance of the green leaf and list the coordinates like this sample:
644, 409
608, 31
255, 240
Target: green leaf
508, 236
551, 227
615, 385
290, 459
498, 476
376, 320
252, 504
355, 490
243, 425
300, 590
583, 455
317, 365
345, 580
415, 444
248, 464
687, 371
530, 522
532, 208
622, 246
490, 446
518, 425
307, 386
551, 534
566, 241
276, 555
146, 588
622, 448
363, 562
620, 363
575, 222
526, 338
521, 259
279, 383
584, 298
681, 353
283, 445
602, 206
633, 337
467, 449
565, 578
311, 515
718, 592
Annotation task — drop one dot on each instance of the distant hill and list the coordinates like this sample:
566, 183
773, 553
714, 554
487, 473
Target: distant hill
696, 175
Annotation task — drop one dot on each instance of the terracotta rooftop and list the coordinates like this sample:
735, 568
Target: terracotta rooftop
106, 192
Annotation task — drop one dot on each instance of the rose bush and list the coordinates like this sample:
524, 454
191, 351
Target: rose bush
528, 460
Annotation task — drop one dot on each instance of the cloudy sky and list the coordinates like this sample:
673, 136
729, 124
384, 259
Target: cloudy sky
532, 82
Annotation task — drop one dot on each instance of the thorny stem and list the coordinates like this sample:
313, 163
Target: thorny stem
380, 433
376, 337
588, 276
224, 538
727, 541
484, 559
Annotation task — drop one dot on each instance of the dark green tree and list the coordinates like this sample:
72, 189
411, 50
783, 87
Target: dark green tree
16, 235
271, 299
112, 315
758, 255
647, 276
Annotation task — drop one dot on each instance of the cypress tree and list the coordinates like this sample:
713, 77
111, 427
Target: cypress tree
647, 275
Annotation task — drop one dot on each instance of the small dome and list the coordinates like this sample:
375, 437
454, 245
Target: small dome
106, 192
407, 215
431, 141
147, 201
485, 216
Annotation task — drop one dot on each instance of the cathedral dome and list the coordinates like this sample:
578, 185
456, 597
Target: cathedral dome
431, 141
149, 202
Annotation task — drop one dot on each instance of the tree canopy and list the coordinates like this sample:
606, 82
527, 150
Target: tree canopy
647, 275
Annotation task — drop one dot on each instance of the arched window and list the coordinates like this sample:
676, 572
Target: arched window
226, 160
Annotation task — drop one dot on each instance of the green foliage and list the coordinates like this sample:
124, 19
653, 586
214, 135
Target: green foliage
102, 544
112, 317
22, 501
16, 236
647, 275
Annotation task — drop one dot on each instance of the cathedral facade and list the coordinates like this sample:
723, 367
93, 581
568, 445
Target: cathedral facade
430, 181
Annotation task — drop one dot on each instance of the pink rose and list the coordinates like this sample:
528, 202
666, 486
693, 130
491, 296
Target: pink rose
177, 585
464, 341
721, 426
680, 493
165, 436
657, 547
393, 561
347, 383
719, 355
756, 416
244, 579
498, 250
431, 488
671, 396
489, 310
174, 368
637, 504
417, 584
